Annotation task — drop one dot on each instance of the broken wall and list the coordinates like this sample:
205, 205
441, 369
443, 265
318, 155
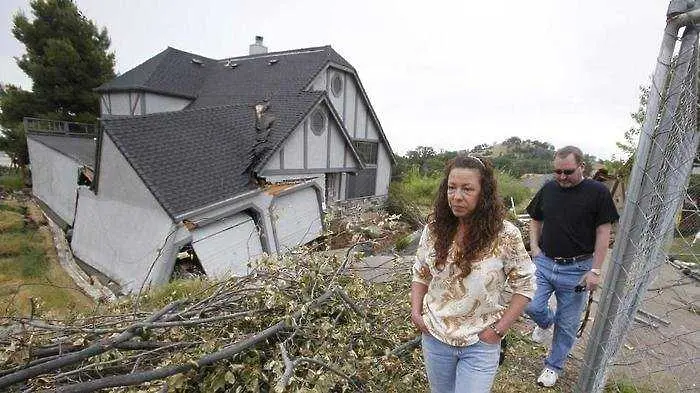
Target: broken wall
54, 179
120, 230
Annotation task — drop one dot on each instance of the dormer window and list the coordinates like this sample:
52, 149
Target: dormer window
337, 85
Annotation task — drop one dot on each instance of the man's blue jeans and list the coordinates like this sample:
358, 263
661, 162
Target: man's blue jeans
559, 279
460, 369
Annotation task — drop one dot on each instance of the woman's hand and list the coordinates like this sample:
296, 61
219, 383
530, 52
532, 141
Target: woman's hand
489, 336
417, 320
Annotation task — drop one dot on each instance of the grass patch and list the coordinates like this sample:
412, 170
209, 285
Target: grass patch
13, 206
683, 249
12, 181
625, 386
12, 244
10, 221
30, 272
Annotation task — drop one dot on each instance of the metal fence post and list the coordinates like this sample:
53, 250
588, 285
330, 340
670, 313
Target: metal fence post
647, 214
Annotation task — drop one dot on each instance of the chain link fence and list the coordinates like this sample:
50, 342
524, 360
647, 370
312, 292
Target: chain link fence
646, 332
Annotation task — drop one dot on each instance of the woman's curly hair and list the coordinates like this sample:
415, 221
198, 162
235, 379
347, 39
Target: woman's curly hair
483, 224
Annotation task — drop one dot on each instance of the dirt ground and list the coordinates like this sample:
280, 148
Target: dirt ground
661, 348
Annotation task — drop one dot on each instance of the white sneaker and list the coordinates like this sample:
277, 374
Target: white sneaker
543, 336
548, 378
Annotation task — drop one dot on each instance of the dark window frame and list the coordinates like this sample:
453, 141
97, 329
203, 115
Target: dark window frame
368, 151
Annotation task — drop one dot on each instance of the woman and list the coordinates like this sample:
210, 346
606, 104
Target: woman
467, 254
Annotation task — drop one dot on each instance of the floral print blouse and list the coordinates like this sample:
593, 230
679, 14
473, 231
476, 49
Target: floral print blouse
456, 310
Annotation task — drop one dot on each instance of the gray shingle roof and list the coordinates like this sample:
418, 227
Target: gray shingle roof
79, 148
172, 72
211, 83
194, 158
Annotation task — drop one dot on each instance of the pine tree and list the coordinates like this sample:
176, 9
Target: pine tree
66, 58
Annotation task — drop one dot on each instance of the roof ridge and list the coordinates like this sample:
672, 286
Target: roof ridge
284, 52
190, 53
216, 107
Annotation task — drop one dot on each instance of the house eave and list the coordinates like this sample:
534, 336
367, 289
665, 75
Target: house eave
204, 209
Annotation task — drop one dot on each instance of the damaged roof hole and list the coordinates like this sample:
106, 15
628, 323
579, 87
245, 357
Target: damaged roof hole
187, 264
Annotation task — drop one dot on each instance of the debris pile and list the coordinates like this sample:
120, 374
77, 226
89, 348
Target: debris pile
298, 322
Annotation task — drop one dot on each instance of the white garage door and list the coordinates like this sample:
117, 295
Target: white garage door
225, 246
297, 218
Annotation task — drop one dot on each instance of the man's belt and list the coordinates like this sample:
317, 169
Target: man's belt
577, 258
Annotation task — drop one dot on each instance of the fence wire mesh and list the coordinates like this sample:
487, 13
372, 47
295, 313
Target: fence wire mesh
647, 327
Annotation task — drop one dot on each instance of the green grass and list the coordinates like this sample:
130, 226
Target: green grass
13, 206
29, 268
10, 221
681, 248
625, 386
12, 181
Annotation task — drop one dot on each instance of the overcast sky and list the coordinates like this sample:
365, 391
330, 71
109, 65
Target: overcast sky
446, 74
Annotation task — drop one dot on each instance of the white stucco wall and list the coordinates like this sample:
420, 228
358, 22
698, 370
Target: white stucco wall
118, 104
160, 103
383, 171
120, 230
317, 145
225, 246
294, 148
338, 146
296, 218
54, 179
139, 103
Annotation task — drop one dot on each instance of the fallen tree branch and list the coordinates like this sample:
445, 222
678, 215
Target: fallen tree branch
407, 346
164, 372
95, 349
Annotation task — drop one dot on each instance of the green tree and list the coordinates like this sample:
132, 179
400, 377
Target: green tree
66, 58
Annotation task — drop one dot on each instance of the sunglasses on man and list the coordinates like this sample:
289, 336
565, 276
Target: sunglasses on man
567, 172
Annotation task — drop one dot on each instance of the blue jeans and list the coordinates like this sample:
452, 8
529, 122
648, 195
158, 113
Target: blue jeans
559, 279
451, 369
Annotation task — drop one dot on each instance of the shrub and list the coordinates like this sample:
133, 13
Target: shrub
510, 187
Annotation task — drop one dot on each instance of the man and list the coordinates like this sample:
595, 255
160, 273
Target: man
569, 235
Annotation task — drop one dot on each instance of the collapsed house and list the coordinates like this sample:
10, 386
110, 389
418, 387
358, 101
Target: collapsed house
227, 159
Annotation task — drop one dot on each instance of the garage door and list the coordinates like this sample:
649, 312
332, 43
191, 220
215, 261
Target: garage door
297, 218
225, 246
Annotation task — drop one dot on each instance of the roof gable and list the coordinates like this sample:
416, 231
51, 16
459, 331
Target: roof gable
334, 117
194, 158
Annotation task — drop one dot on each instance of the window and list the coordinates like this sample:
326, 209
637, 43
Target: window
367, 151
318, 122
336, 85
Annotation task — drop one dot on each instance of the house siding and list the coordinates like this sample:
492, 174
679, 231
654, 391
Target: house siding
304, 150
159, 103
383, 171
139, 103
54, 179
359, 123
317, 145
118, 104
120, 230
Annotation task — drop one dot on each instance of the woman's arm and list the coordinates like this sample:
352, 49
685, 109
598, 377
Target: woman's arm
515, 308
418, 291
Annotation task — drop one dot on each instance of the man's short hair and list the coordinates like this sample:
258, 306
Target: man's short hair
566, 150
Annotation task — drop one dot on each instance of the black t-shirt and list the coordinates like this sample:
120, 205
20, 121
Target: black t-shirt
570, 216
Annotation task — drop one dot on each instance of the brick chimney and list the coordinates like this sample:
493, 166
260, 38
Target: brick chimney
257, 48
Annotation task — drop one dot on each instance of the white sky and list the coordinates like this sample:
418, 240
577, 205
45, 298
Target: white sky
446, 74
